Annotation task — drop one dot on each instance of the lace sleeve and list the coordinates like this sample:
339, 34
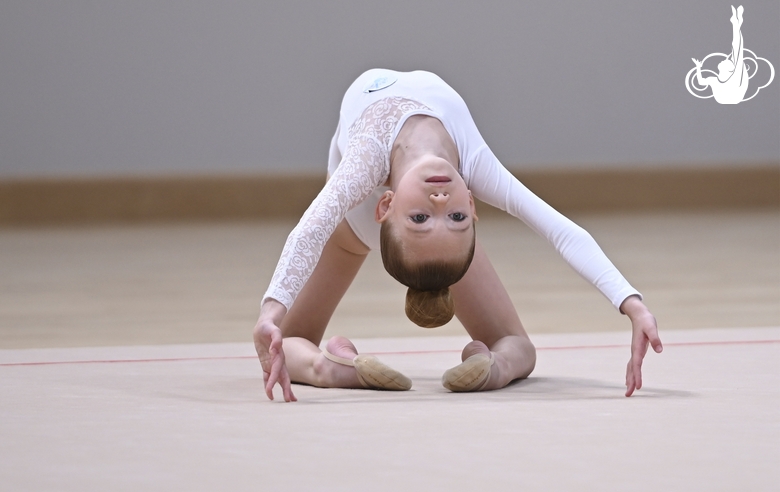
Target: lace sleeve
364, 167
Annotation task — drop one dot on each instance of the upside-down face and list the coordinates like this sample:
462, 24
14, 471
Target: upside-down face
431, 211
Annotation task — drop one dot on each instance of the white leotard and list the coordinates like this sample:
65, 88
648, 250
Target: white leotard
372, 113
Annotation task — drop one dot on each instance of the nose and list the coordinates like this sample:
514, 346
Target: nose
440, 197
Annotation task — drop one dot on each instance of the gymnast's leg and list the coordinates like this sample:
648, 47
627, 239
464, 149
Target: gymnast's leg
305, 323
483, 306
737, 42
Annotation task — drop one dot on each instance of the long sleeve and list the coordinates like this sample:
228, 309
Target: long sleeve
492, 183
364, 167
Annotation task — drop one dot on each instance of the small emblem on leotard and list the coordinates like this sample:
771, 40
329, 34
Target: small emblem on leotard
380, 83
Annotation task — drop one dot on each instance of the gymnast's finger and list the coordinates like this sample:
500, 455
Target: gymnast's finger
277, 364
655, 341
630, 386
637, 372
284, 381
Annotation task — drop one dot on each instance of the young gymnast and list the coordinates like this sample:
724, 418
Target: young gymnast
403, 165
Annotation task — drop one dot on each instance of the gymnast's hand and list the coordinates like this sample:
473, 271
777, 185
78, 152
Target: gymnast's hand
268, 344
644, 332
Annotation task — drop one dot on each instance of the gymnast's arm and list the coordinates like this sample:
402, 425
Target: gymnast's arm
701, 80
495, 185
492, 183
362, 169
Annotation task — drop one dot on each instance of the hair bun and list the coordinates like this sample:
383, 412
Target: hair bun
429, 308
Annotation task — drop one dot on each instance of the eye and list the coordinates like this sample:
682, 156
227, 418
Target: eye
419, 218
457, 217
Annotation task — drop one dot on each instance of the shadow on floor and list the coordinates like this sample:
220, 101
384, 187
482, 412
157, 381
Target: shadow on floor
425, 390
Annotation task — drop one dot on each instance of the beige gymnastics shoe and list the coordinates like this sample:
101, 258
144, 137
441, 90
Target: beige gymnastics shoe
372, 373
472, 374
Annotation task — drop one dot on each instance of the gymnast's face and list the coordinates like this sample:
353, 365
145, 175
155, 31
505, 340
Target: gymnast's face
431, 211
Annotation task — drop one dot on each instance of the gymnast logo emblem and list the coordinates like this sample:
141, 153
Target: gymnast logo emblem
730, 84
380, 83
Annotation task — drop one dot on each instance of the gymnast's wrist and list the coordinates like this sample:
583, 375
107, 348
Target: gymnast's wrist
633, 307
273, 311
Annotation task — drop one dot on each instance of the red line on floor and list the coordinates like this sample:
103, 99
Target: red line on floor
620, 345
406, 352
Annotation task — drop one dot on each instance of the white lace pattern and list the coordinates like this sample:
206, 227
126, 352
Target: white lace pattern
364, 166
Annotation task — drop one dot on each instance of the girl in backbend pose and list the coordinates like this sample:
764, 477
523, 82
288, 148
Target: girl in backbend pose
404, 162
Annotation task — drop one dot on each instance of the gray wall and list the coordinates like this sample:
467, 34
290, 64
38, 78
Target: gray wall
110, 88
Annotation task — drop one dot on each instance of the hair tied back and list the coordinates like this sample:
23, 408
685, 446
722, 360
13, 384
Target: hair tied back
429, 308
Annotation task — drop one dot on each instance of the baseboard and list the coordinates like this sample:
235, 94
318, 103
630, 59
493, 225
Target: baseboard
67, 201
657, 189
39, 201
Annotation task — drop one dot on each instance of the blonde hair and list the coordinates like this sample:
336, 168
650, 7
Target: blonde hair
429, 303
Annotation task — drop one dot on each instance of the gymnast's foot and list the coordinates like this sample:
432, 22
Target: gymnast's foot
369, 371
478, 371
332, 374
736, 15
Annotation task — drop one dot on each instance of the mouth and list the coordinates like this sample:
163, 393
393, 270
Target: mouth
438, 179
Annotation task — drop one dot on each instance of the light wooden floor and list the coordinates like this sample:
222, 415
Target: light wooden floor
157, 284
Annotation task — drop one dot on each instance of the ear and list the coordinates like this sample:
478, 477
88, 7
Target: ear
384, 206
473, 207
